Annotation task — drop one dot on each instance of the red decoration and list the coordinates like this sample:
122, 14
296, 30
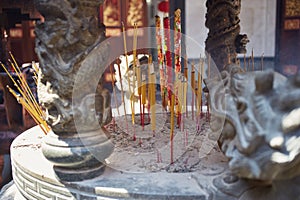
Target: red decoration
163, 6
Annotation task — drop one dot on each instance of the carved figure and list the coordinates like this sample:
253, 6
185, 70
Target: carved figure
70, 49
70, 32
261, 133
224, 40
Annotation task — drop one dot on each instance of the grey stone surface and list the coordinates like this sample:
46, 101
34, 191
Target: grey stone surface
261, 131
211, 181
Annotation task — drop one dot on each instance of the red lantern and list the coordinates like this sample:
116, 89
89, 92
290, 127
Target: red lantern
163, 6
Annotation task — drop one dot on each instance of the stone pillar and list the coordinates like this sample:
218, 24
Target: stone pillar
67, 43
224, 40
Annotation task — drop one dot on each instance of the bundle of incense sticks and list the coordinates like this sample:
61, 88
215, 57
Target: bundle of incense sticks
177, 41
177, 58
152, 83
169, 69
160, 58
25, 96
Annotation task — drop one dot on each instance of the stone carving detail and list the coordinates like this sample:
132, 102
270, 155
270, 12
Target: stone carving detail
68, 41
224, 40
69, 33
261, 133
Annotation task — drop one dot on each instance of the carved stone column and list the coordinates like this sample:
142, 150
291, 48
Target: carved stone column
224, 40
68, 41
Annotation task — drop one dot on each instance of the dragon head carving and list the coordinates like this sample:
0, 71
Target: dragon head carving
261, 133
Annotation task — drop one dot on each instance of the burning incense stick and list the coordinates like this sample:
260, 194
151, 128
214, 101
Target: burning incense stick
180, 101
184, 102
177, 58
201, 80
26, 98
193, 88
177, 40
121, 83
160, 57
169, 69
127, 69
152, 82
113, 87
143, 99
37, 119
23, 84
208, 75
186, 79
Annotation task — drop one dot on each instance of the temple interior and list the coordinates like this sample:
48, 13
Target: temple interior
271, 42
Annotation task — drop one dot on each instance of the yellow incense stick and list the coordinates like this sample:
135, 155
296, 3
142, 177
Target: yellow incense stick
127, 71
152, 82
28, 93
27, 102
134, 69
32, 112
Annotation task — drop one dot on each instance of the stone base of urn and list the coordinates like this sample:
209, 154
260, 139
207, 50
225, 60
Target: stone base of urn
35, 178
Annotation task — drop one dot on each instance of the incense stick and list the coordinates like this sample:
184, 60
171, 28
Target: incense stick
25, 98
193, 88
127, 69
113, 87
152, 81
172, 126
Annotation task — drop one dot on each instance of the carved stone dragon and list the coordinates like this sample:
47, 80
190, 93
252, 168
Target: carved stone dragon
73, 56
224, 40
69, 33
261, 133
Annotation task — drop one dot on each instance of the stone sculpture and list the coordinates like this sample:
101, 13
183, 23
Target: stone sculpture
262, 122
224, 40
67, 41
